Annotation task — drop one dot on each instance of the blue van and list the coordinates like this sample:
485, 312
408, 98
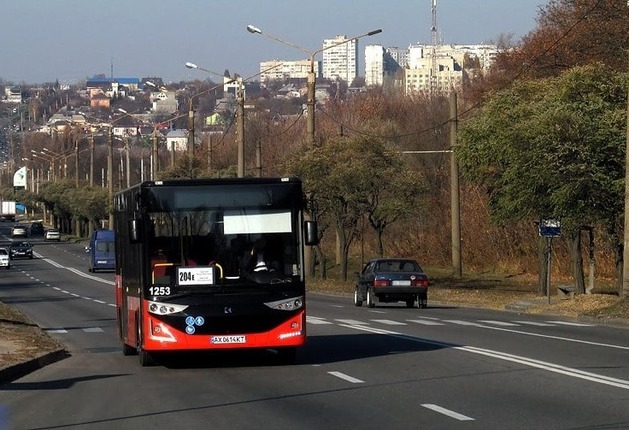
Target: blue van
102, 251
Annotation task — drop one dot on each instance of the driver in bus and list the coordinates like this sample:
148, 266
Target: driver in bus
253, 260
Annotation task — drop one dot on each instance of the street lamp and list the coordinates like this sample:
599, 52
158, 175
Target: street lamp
311, 75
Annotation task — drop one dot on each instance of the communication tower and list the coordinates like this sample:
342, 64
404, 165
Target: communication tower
433, 49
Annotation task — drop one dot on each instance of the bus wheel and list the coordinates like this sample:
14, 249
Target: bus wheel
146, 358
128, 350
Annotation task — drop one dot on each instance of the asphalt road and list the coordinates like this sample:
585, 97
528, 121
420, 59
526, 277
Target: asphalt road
387, 367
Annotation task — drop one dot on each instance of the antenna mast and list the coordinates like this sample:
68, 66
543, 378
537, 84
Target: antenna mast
433, 49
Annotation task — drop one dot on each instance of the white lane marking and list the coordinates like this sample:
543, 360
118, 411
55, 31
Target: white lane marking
57, 331
425, 322
500, 323
347, 377
76, 271
447, 412
461, 322
93, 330
525, 361
535, 323
316, 320
353, 322
389, 322
573, 324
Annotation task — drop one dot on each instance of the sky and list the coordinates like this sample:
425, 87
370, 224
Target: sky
71, 40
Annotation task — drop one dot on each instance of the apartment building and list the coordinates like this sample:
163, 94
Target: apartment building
340, 59
280, 69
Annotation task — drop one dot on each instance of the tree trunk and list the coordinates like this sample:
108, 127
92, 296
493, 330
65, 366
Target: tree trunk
577, 263
380, 233
543, 266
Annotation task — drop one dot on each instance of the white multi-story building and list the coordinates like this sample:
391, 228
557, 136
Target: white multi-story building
340, 59
448, 66
374, 65
399, 55
280, 69
448, 75
381, 67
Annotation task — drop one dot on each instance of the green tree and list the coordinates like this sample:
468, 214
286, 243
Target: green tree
553, 148
351, 178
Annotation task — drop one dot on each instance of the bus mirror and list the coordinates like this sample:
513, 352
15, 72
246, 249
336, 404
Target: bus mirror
134, 231
312, 235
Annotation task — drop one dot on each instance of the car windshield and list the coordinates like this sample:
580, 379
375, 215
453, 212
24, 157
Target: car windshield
3, 252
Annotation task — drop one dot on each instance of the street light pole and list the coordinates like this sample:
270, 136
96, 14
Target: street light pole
110, 168
191, 129
110, 175
312, 78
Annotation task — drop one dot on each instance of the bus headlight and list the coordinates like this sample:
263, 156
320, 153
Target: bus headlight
159, 308
287, 304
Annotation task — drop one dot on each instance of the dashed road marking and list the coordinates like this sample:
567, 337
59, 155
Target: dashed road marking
347, 378
447, 412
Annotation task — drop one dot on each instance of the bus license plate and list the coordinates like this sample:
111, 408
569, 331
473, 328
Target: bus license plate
228, 339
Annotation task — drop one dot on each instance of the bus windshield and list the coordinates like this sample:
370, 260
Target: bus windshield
246, 236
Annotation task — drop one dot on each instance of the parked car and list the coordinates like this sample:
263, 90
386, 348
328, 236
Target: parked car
37, 229
53, 234
21, 250
19, 231
389, 280
5, 260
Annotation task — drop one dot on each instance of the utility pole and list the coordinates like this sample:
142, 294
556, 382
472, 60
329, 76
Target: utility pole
455, 202
154, 166
240, 116
625, 253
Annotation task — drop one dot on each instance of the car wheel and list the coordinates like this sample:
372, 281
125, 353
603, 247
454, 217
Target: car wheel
357, 300
410, 303
370, 298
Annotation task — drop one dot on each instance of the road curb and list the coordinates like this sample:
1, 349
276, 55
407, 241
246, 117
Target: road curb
16, 371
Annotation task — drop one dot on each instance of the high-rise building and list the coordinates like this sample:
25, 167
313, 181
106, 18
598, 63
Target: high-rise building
340, 62
374, 65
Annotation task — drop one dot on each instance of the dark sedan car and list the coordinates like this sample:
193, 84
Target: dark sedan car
390, 280
21, 250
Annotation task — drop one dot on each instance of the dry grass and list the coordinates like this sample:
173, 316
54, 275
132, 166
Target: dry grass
20, 340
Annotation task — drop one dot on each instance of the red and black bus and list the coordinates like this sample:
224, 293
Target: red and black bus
206, 264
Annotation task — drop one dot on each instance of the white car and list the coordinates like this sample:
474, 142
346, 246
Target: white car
53, 234
19, 231
5, 260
